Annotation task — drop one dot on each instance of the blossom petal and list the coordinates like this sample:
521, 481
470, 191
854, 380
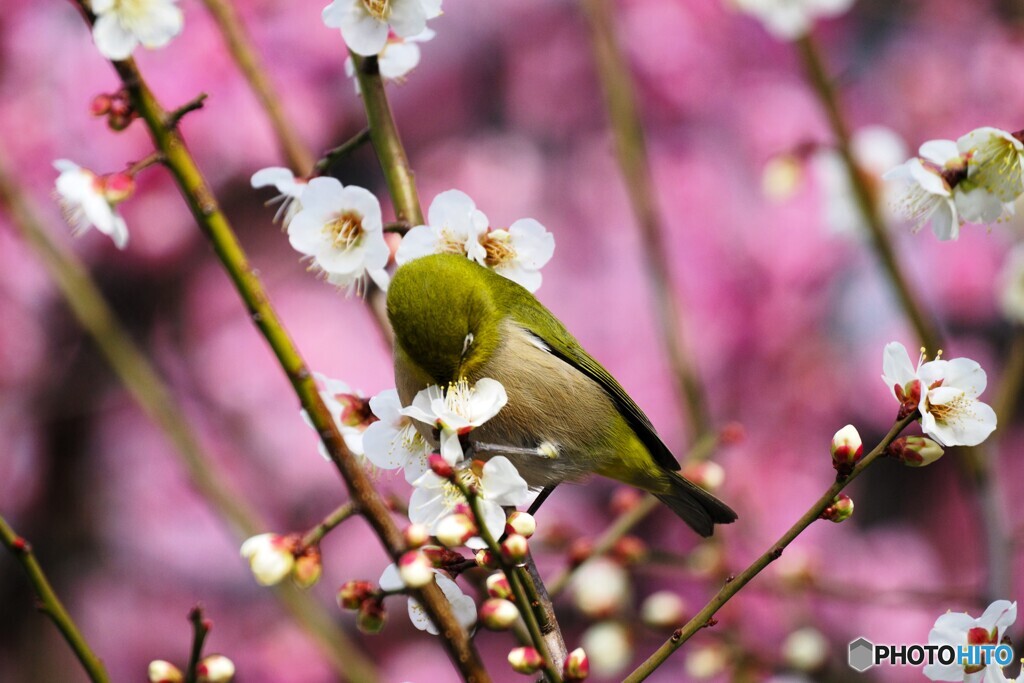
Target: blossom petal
502, 483
112, 39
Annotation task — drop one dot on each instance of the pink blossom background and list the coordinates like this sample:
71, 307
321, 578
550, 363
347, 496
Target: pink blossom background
786, 319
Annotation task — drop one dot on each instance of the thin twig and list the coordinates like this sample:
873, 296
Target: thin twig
631, 147
705, 616
341, 151
51, 605
317, 533
200, 629
173, 118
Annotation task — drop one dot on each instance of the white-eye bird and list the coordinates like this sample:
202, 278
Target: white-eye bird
566, 416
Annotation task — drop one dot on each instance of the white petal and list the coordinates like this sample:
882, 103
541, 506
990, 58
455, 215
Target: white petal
489, 397
420, 241
534, 245
896, 366
112, 39
945, 222
978, 205
363, 33
939, 152
163, 22
391, 580
965, 374
398, 59
408, 17
502, 484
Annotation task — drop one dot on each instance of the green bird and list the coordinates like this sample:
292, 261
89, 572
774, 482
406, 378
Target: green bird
566, 416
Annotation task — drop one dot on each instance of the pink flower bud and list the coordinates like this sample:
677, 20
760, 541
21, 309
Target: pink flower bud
371, 617
417, 535
706, 474
629, 550
441, 557
847, 449
117, 187
915, 451
521, 523
624, 499
100, 106
454, 530
440, 466
525, 660
308, 568
732, 433
215, 669
515, 548
164, 672
840, 509
486, 559
577, 667
663, 610
352, 594
497, 614
416, 569
580, 551
498, 586
117, 122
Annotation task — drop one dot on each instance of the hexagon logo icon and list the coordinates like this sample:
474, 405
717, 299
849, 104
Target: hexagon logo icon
862, 655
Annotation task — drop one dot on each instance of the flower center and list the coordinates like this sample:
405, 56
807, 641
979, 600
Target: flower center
345, 230
498, 248
951, 411
380, 9
132, 11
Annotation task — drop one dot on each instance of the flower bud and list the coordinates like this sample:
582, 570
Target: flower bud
706, 662
486, 559
117, 187
915, 451
440, 556
521, 523
371, 617
164, 672
100, 106
624, 499
732, 433
308, 568
497, 614
629, 550
706, 474
577, 667
847, 449
515, 548
270, 557
805, 649
840, 509
525, 660
454, 530
610, 648
117, 122
601, 588
415, 569
440, 466
580, 551
215, 669
352, 594
416, 535
663, 610
498, 586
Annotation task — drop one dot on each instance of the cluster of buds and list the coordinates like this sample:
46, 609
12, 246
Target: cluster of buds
209, 669
847, 450
915, 451
273, 557
364, 597
116, 107
840, 510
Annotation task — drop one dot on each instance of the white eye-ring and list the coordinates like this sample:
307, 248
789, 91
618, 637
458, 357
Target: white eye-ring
466, 343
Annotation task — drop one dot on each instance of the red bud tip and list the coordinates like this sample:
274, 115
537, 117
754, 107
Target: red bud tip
440, 466
100, 105
629, 550
118, 186
915, 451
732, 433
498, 586
498, 614
352, 594
624, 499
525, 660
454, 530
522, 523
215, 669
580, 551
486, 559
577, 666
840, 510
515, 548
416, 569
416, 535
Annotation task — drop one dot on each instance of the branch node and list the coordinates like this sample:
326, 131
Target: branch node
172, 118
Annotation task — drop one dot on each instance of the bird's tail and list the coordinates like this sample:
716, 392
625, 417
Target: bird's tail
694, 505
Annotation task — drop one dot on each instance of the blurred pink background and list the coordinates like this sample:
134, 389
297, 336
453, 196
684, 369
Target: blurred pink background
786, 318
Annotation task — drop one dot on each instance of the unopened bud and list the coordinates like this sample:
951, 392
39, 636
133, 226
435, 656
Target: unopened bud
486, 559
371, 617
577, 667
915, 451
215, 669
732, 433
706, 662
525, 660
308, 568
580, 551
164, 672
352, 594
270, 557
498, 586
521, 523
415, 569
117, 122
100, 106
663, 610
706, 474
840, 509
515, 548
805, 649
909, 396
120, 105
440, 556
454, 530
440, 466
629, 550
610, 646
497, 614
847, 449
624, 499
416, 535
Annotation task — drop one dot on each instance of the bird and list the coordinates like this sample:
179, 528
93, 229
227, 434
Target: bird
566, 416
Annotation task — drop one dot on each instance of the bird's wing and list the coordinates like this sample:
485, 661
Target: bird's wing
546, 328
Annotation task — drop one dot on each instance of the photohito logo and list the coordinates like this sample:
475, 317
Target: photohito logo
864, 654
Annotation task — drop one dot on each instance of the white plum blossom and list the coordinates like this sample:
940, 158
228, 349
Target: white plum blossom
289, 187
957, 629
90, 200
121, 25
945, 393
497, 484
1011, 285
601, 588
366, 24
925, 194
270, 558
456, 226
791, 19
392, 441
994, 159
342, 230
398, 58
457, 410
348, 408
463, 606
